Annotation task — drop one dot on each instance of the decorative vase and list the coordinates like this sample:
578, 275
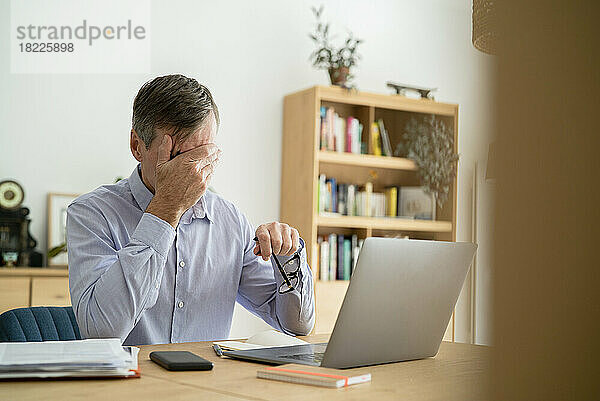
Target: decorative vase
339, 75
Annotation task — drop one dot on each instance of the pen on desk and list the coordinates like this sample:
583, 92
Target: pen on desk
283, 273
218, 350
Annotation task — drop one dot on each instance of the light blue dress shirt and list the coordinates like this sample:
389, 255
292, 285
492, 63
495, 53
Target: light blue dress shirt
133, 276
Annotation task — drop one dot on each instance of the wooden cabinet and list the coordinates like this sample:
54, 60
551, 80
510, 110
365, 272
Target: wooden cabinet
22, 287
50, 291
14, 293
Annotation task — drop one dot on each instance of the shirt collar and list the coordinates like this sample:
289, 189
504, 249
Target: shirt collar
143, 196
198, 211
140, 192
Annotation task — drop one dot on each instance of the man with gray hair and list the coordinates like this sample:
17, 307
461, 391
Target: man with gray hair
156, 258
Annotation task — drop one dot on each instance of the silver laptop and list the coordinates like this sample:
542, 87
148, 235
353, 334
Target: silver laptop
397, 307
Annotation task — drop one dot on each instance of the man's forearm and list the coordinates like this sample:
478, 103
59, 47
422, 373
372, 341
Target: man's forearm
165, 210
112, 305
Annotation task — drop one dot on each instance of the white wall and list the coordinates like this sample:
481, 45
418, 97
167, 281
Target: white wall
69, 133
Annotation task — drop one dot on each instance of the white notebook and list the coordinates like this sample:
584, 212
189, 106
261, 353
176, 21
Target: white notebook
264, 339
313, 375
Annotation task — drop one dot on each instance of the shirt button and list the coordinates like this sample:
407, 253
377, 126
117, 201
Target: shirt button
180, 304
156, 285
182, 263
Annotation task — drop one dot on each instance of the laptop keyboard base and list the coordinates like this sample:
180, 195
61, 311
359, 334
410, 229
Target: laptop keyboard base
317, 357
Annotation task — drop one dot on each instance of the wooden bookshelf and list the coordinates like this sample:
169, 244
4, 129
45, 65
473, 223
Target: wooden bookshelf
303, 162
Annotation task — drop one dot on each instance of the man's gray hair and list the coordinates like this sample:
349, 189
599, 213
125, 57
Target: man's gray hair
173, 102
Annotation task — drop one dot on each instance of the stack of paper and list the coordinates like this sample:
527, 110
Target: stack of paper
79, 358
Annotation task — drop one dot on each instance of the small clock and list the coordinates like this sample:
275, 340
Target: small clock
11, 195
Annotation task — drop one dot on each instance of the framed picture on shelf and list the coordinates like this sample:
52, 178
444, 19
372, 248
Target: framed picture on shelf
416, 203
57, 226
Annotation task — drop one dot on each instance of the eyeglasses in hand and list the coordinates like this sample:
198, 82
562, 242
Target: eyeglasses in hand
290, 272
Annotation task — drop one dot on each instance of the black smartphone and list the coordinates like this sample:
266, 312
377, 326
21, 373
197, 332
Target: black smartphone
180, 360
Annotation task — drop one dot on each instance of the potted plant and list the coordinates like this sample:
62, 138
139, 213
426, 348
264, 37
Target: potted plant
430, 143
337, 61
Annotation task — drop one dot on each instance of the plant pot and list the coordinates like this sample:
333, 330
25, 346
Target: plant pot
339, 76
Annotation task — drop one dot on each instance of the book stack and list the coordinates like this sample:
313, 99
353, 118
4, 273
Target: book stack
337, 256
344, 134
340, 199
355, 200
340, 134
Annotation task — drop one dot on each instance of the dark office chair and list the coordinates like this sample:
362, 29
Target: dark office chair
40, 323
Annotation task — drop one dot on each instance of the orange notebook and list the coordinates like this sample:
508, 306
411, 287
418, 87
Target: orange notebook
313, 375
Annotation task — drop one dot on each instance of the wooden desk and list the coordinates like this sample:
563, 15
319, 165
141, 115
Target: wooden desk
458, 372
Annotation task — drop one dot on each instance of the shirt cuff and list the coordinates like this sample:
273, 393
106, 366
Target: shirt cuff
283, 259
155, 232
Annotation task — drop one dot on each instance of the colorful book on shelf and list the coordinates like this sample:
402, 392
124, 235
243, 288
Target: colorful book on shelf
347, 249
356, 132
385, 139
349, 135
355, 252
351, 200
342, 193
391, 201
360, 203
323, 129
329, 116
323, 195
330, 197
336, 133
353, 135
327, 196
324, 260
333, 195
368, 196
378, 204
339, 274
313, 375
332, 256
316, 250
340, 134
375, 139
319, 205
362, 145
